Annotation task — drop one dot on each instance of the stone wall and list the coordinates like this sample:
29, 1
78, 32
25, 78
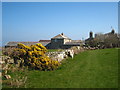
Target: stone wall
61, 55
58, 55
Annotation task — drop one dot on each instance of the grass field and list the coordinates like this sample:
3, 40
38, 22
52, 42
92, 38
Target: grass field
0, 53
52, 50
89, 69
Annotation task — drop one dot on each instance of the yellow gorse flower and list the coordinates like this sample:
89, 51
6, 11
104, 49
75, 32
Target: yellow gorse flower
35, 54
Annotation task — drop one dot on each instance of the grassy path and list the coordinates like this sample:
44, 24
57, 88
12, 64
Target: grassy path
0, 53
89, 69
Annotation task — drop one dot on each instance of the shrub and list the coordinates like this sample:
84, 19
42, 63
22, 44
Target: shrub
34, 57
8, 51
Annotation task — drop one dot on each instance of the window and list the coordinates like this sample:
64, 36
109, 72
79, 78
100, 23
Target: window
55, 40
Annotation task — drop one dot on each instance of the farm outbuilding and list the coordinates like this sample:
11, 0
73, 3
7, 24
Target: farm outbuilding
60, 41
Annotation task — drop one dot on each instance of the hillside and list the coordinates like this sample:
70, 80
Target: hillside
89, 69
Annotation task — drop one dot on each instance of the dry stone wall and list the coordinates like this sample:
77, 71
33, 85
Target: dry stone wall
61, 55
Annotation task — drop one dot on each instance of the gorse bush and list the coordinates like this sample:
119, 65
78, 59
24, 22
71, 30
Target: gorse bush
34, 57
7, 51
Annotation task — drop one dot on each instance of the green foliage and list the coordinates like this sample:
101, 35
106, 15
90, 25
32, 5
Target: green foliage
52, 50
0, 53
34, 57
112, 41
105, 41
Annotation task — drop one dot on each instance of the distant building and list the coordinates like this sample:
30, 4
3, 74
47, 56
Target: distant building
58, 42
62, 41
45, 43
14, 44
89, 41
110, 39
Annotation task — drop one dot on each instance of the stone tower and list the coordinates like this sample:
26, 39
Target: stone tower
113, 31
91, 34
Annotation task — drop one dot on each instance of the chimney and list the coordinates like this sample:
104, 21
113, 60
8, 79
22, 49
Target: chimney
91, 34
113, 31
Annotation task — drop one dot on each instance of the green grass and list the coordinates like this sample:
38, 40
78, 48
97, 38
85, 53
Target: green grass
0, 53
89, 69
52, 50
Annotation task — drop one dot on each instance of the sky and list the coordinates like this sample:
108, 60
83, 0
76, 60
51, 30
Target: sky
0, 24
33, 21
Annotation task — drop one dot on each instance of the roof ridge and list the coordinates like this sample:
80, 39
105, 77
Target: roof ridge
60, 36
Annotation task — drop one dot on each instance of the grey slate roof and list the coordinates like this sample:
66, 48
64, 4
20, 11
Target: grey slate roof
60, 36
74, 42
26, 43
44, 42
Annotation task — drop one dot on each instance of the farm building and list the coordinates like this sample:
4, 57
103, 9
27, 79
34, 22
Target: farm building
58, 42
14, 44
110, 39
